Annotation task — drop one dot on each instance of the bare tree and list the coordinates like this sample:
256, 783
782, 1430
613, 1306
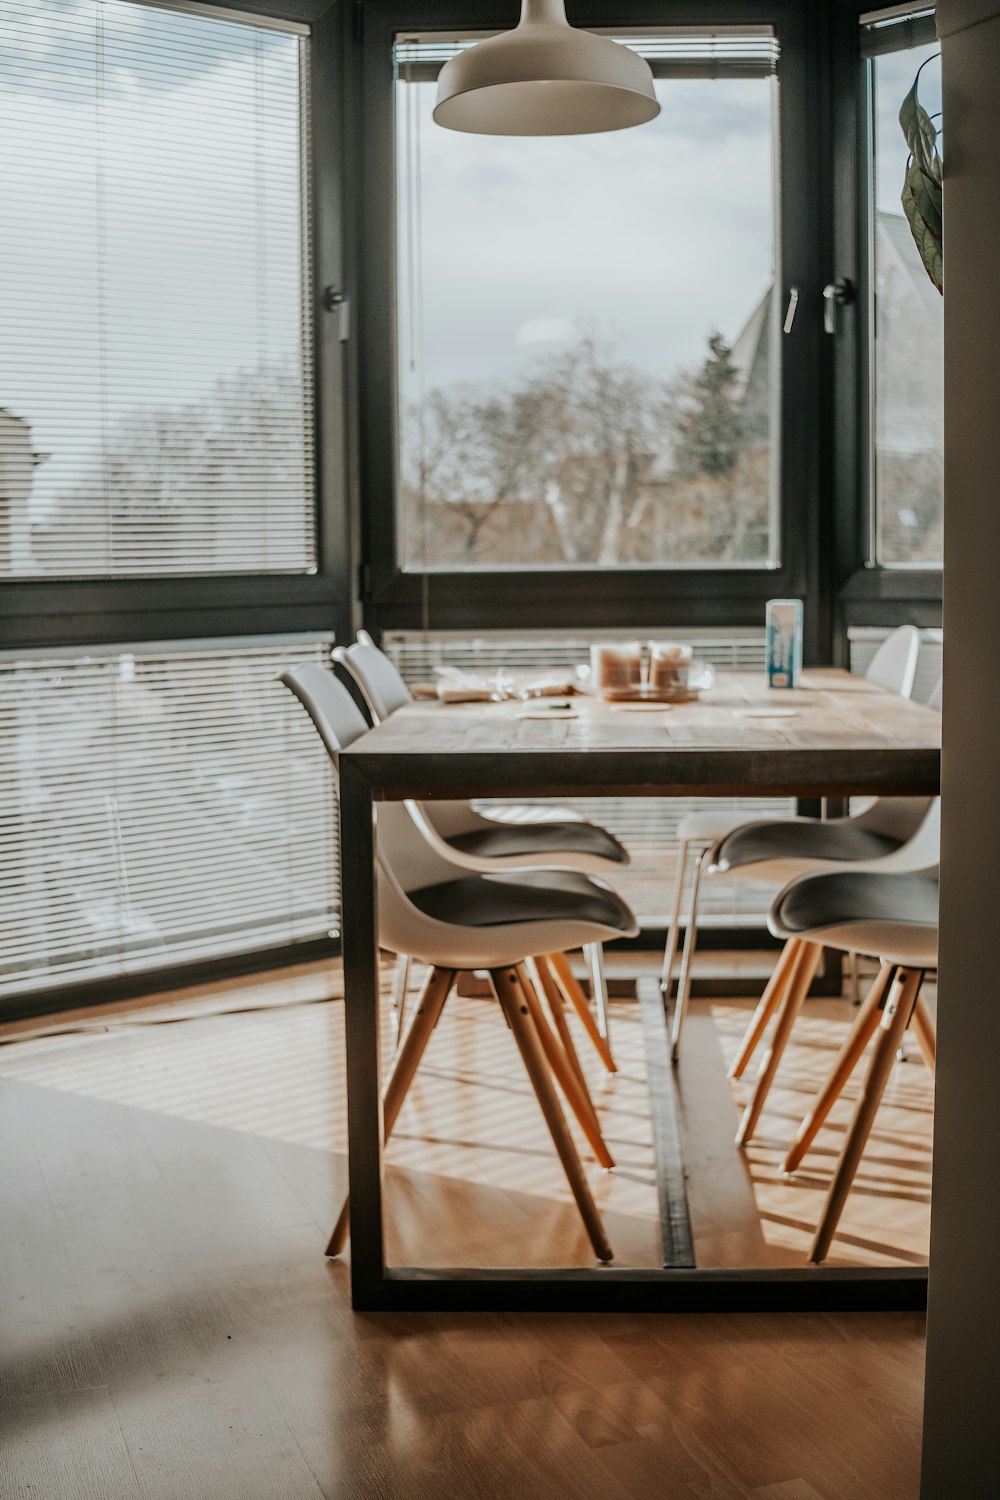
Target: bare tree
561, 458
213, 479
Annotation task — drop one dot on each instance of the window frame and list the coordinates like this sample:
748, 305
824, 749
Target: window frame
867, 592
56, 611
394, 598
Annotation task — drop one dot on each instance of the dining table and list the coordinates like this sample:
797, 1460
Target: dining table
834, 735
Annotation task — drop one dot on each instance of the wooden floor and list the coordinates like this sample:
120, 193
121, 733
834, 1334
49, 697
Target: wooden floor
169, 1327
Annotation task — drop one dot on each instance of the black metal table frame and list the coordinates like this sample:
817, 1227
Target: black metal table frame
368, 776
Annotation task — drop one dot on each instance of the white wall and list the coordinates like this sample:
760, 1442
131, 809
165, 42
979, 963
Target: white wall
962, 1417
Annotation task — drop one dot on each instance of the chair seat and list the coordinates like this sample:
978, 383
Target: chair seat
885, 916
505, 900
542, 841
808, 838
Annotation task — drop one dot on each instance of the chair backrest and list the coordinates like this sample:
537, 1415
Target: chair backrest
401, 845
328, 703
894, 664
902, 817
381, 685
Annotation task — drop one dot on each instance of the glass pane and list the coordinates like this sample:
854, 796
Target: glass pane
585, 338
155, 385
159, 806
908, 425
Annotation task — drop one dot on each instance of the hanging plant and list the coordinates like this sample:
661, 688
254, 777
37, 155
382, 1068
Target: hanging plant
921, 197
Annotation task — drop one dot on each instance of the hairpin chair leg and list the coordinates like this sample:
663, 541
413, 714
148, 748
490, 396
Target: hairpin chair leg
400, 980
860, 1034
558, 963
673, 931
515, 1008
684, 980
766, 1006
895, 1018
428, 1013
594, 954
577, 1094
799, 980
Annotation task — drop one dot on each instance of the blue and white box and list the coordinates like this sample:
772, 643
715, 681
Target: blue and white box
784, 642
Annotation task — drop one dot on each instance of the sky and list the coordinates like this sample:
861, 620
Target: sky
894, 75
653, 237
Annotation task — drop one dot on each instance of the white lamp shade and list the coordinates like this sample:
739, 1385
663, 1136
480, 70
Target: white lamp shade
545, 78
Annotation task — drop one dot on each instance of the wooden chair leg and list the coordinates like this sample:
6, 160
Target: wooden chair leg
435, 992
567, 982
766, 1006
926, 1035
895, 1018
515, 1008
577, 1094
866, 1022
799, 980
546, 985
428, 1013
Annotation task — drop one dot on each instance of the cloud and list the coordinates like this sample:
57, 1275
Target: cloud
544, 331
651, 236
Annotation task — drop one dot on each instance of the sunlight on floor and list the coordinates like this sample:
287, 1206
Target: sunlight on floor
470, 1144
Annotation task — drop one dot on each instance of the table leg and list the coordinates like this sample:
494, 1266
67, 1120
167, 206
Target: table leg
361, 1021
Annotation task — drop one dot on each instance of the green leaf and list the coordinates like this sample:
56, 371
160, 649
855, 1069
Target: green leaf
920, 132
927, 242
927, 197
922, 185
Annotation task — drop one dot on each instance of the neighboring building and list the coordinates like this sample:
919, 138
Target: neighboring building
909, 416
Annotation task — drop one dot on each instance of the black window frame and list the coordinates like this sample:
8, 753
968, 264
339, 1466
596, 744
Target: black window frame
65, 611
394, 598
867, 593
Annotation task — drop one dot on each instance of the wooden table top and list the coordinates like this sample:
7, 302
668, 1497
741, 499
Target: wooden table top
839, 735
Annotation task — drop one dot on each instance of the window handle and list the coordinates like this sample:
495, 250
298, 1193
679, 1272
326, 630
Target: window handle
336, 301
791, 309
836, 294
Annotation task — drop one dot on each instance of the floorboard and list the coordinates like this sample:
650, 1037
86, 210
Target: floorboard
169, 1326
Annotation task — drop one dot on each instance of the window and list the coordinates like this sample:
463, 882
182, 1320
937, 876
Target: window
158, 805
166, 803
907, 319
586, 326
155, 381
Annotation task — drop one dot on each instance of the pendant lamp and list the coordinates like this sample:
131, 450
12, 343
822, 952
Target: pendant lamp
545, 77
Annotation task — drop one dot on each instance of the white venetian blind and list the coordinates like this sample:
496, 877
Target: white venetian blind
159, 804
690, 52
155, 362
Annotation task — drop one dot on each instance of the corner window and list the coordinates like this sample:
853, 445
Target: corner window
586, 328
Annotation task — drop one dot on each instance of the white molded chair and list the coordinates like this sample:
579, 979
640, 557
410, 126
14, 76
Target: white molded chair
788, 986
380, 684
893, 667
459, 922
889, 917
472, 841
